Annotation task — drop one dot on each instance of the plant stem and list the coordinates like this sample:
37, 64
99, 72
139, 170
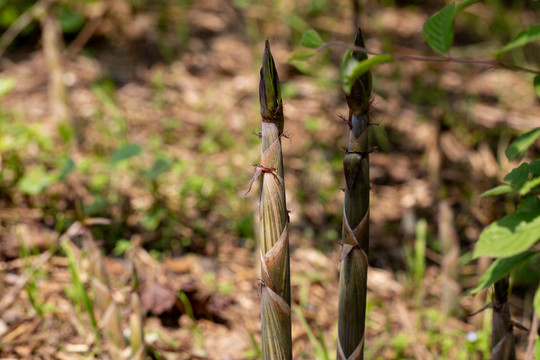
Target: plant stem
433, 59
502, 337
354, 261
274, 219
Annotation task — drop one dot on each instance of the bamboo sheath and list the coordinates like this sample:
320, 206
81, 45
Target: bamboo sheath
355, 238
274, 221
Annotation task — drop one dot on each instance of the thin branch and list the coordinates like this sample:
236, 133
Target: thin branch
34, 12
84, 35
433, 59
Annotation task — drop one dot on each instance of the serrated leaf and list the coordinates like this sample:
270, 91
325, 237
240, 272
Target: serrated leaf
311, 39
500, 268
513, 233
521, 39
301, 55
125, 152
519, 175
522, 143
536, 301
536, 84
439, 29
501, 189
352, 69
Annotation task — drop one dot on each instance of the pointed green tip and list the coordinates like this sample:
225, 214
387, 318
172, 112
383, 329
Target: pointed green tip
359, 41
269, 90
358, 99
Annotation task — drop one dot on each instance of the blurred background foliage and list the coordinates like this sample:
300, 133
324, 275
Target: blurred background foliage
157, 176
161, 102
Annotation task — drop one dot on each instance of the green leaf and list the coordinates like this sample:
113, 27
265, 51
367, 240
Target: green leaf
462, 6
513, 233
352, 69
501, 189
302, 66
36, 181
68, 167
519, 175
70, 22
534, 167
536, 301
125, 152
66, 132
536, 83
121, 247
311, 39
301, 55
439, 28
9, 14
522, 143
500, 268
160, 166
523, 38
529, 185
6, 85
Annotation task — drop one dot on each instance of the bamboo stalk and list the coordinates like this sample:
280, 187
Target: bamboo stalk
502, 336
274, 220
353, 257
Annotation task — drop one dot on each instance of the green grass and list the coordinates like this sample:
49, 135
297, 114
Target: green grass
180, 192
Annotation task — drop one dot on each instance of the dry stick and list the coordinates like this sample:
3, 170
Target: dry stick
84, 35
105, 307
52, 48
88, 30
7, 300
274, 220
355, 237
136, 321
355, 13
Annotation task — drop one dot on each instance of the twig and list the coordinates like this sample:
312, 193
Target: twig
85, 34
37, 10
434, 59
